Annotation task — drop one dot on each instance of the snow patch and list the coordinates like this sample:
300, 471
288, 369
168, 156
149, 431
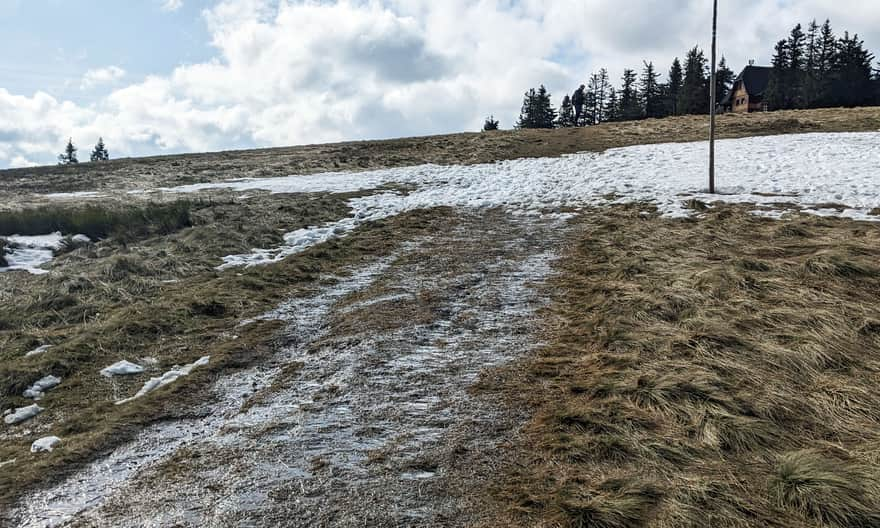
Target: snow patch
28, 253
169, 377
45, 445
38, 350
803, 170
38, 389
22, 414
121, 368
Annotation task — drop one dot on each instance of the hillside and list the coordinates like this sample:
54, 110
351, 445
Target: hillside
577, 335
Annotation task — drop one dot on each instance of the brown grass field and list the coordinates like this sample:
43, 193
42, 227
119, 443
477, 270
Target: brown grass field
715, 371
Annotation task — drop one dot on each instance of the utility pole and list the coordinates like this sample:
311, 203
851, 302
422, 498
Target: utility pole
712, 103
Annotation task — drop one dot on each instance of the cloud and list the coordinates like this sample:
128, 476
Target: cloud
171, 5
93, 78
291, 72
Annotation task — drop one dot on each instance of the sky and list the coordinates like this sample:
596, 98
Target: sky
170, 76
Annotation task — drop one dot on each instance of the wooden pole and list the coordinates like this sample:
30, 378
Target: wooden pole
712, 102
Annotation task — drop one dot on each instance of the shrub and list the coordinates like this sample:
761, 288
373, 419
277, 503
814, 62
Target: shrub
3, 250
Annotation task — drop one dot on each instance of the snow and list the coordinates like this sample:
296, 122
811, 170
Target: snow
28, 253
122, 368
38, 389
39, 350
46, 444
802, 170
22, 414
169, 377
81, 239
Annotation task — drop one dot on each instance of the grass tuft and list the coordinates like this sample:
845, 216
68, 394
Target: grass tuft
614, 504
827, 490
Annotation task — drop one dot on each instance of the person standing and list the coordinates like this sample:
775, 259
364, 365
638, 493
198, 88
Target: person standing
577, 100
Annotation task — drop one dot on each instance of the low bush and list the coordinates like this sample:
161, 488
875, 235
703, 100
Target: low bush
3, 262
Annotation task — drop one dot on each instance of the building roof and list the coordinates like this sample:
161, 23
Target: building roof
755, 80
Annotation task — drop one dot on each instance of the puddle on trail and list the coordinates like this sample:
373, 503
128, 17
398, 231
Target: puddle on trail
371, 426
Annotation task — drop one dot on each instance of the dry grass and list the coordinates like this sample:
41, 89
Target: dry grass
714, 372
159, 298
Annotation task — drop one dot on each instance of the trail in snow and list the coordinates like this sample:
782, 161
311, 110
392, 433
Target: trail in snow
90, 487
374, 427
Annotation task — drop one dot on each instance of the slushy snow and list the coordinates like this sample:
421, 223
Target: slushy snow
801, 170
122, 368
28, 253
22, 414
169, 377
38, 389
45, 445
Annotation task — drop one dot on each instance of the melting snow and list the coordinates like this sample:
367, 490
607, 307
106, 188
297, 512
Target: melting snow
38, 389
801, 169
169, 377
28, 253
22, 414
122, 368
46, 444
38, 350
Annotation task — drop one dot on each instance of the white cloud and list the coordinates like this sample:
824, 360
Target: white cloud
93, 78
289, 72
171, 5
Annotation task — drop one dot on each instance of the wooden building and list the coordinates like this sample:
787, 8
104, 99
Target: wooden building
747, 94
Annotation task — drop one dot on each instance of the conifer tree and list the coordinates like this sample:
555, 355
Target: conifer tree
490, 124
724, 78
546, 112
694, 95
797, 69
650, 96
827, 49
566, 113
537, 110
673, 87
69, 155
527, 115
812, 74
851, 75
99, 153
611, 105
776, 88
629, 107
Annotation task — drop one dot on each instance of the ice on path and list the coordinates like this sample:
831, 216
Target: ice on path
38, 389
169, 377
46, 444
38, 350
22, 414
121, 368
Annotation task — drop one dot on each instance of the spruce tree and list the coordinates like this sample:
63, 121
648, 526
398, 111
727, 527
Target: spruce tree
528, 113
724, 79
825, 64
797, 68
852, 73
546, 112
611, 104
812, 74
694, 95
566, 113
593, 106
776, 89
69, 155
673, 87
602, 88
490, 124
629, 108
650, 96
100, 151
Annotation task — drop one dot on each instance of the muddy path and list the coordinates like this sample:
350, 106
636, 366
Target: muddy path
364, 416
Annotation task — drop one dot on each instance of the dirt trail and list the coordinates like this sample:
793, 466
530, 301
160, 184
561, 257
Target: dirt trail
363, 418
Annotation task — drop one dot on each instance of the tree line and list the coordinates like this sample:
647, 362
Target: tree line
69, 157
810, 70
